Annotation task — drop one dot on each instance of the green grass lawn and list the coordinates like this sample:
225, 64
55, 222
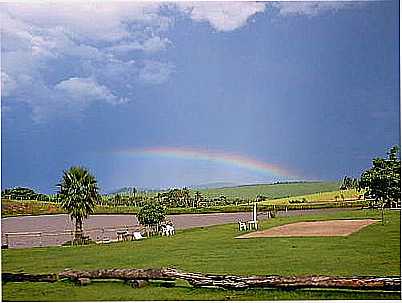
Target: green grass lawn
375, 250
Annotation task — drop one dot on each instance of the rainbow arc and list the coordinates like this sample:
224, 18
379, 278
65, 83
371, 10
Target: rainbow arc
211, 155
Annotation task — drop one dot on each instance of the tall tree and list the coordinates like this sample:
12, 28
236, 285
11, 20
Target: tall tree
382, 182
185, 194
197, 198
79, 193
349, 183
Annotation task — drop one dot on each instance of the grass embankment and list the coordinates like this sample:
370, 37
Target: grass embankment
10, 208
321, 197
375, 250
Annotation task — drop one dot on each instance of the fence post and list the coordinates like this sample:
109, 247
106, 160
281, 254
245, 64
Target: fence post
7, 240
40, 239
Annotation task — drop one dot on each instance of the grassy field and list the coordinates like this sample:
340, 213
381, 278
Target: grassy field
375, 250
317, 197
271, 191
28, 207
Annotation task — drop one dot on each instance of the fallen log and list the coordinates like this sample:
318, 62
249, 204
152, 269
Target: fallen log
122, 274
225, 281
290, 282
137, 283
23, 277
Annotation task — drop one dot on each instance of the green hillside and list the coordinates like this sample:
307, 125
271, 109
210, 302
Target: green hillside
271, 191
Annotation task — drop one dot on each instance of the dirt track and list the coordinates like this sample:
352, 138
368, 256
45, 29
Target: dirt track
312, 229
51, 224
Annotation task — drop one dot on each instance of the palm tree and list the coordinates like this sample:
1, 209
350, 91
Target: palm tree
197, 198
78, 194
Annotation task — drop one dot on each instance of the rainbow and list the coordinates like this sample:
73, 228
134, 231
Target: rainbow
209, 155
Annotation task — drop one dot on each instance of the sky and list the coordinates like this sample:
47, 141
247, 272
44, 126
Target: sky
158, 95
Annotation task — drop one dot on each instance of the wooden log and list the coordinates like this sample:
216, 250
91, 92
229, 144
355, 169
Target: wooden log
221, 281
123, 274
241, 282
137, 283
291, 282
83, 281
23, 277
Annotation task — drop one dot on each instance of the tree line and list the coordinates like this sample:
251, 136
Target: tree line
24, 193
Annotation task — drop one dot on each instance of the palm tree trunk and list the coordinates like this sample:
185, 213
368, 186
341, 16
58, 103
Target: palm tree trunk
78, 229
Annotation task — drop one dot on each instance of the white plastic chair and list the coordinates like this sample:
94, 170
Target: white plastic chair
137, 235
170, 230
242, 226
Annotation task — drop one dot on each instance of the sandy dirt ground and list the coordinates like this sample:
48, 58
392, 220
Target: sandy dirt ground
312, 229
52, 225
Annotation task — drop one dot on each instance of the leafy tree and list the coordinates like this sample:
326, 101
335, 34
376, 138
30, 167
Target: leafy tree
22, 193
152, 214
185, 196
197, 198
78, 195
349, 183
382, 182
117, 199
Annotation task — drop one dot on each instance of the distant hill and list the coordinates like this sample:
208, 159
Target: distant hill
272, 191
214, 185
128, 189
250, 191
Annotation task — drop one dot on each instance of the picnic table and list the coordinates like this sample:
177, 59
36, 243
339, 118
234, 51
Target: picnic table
122, 235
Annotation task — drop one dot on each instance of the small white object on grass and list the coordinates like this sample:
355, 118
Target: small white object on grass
137, 235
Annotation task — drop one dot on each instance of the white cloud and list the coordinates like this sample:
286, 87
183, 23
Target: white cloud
223, 16
8, 84
62, 57
155, 44
155, 72
311, 8
92, 20
89, 43
85, 90
151, 45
